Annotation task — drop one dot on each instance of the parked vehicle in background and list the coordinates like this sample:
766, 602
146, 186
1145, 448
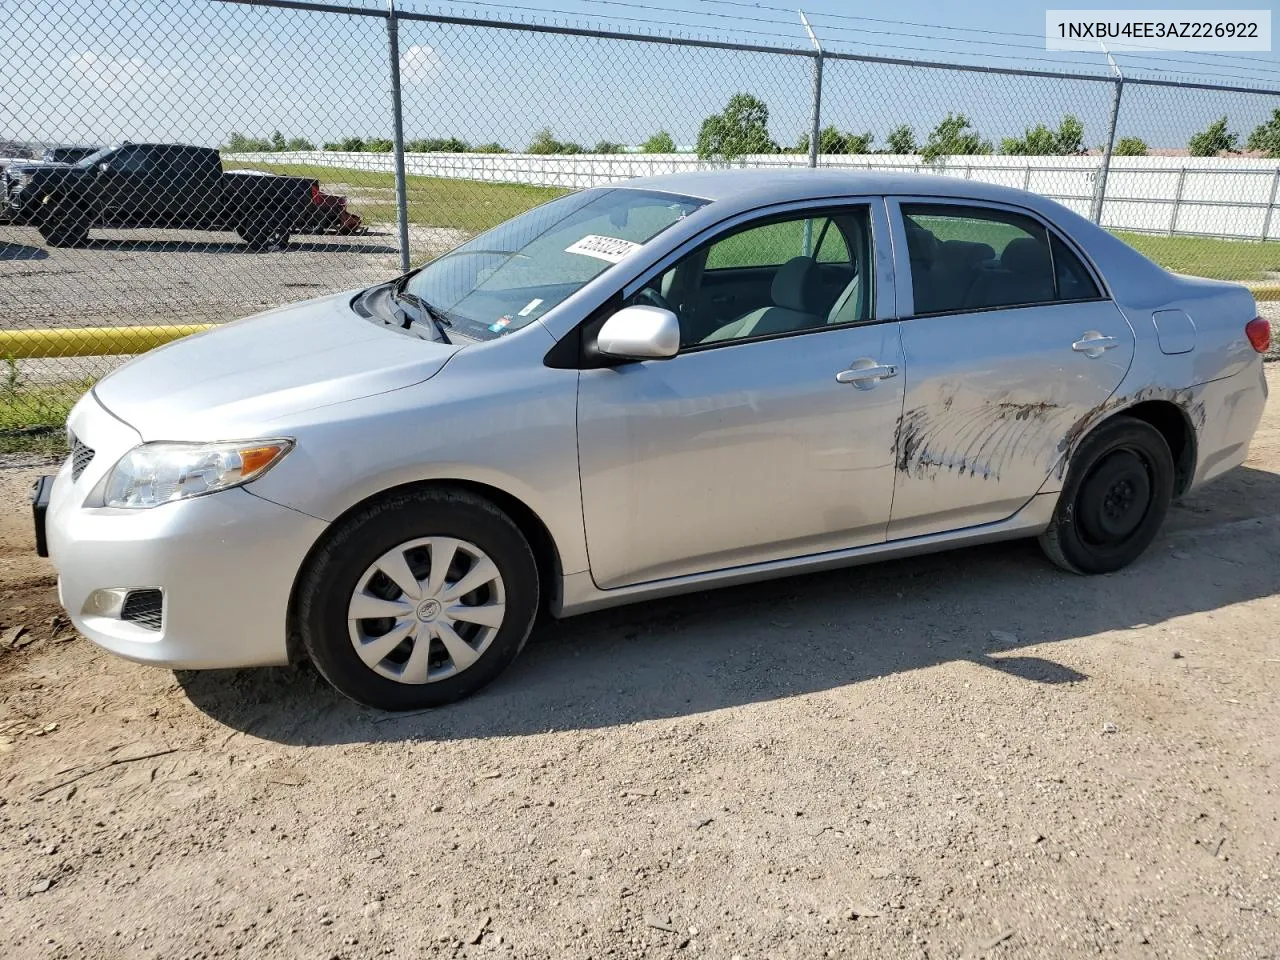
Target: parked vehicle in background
67, 154
139, 185
635, 391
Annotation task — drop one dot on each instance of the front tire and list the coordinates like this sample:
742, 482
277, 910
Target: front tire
418, 600
66, 226
1117, 494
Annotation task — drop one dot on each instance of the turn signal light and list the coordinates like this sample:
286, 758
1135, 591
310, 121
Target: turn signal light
1258, 330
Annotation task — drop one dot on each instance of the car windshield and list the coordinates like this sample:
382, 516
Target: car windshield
85, 162
513, 274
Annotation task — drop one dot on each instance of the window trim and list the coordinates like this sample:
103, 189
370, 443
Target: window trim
905, 291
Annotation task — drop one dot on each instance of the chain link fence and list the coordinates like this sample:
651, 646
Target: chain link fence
169, 164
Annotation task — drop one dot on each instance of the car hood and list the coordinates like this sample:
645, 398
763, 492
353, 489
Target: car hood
244, 377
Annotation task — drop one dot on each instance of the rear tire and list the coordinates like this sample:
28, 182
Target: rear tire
452, 643
263, 234
66, 226
1117, 494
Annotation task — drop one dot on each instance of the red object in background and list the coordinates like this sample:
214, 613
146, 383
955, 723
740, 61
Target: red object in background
338, 218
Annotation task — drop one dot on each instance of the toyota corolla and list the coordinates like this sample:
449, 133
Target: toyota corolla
634, 391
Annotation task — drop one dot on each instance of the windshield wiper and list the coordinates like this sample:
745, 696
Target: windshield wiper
438, 319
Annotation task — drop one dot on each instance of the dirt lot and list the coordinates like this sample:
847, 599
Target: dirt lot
965, 755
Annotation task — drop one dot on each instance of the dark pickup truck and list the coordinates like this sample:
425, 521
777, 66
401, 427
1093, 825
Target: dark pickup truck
159, 185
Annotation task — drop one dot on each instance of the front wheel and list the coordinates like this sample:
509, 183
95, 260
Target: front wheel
1117, 494
66, 226
418, 600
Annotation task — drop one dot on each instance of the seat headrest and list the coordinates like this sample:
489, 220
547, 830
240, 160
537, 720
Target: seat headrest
794, 285
922, 246
1026, 256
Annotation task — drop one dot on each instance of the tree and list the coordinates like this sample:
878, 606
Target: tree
901, 140
954, 137
299, 143
660, 142
1040, 141
438, 145
608, 146
742, 128
1213, 140
831, 140
489, 148
1130, 147
239, 143
379, 145
352, 145
1266, 136
544, 141
278, 142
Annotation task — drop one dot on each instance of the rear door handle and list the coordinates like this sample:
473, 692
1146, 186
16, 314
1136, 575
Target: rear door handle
1094, 344
866, 373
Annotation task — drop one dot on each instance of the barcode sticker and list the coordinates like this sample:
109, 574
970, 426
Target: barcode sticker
611, 249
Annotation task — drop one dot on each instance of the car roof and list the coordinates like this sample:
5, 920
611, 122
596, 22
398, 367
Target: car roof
784, 184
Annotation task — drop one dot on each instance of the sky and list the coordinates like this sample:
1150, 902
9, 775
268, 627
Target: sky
194, 70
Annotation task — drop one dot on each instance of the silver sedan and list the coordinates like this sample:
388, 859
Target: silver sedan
634, 391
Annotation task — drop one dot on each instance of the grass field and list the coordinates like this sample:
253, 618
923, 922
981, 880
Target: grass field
1241, 260
32, 418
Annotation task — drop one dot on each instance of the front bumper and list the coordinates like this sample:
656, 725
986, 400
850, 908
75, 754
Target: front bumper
224, 564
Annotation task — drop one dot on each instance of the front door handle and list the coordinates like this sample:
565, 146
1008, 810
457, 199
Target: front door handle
1094, 344
866, 373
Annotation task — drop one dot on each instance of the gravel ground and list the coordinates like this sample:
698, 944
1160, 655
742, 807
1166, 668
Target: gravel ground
157, 277
964, 755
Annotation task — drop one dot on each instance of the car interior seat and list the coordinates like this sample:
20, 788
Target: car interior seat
793, 292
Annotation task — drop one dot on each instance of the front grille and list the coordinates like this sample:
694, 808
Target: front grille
143, 607
81, 455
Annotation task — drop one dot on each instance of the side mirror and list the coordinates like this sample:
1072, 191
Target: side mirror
640, 333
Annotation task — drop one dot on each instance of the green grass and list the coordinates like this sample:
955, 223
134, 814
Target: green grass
432, 201
1240, 260
32, 417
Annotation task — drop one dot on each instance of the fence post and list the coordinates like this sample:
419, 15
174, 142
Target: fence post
1271, 205
815, 129
1100, 189
397, 135
1177, 201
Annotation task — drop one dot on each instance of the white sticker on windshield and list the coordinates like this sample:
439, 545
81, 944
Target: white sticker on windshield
531, 306
611, 249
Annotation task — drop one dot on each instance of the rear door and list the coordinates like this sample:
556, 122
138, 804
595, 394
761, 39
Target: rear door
1009, 340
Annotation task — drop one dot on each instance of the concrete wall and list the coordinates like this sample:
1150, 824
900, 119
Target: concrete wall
1220, 197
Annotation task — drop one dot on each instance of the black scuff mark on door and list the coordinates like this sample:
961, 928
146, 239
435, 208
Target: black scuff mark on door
977, 441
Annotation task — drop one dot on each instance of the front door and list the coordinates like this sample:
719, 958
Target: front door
770, 435
1009, 343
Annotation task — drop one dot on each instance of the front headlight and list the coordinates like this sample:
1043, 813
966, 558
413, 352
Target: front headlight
156, 473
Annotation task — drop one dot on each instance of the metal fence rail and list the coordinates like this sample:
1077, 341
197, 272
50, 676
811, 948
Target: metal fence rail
407, 131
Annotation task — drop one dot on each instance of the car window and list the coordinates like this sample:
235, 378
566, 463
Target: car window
979, 258
784, 276
130, 160
513, 274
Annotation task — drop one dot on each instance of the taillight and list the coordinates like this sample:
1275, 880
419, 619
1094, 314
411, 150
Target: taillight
1258, 330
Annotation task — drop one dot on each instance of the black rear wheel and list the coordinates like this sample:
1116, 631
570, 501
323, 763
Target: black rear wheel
264, 233
1117, 494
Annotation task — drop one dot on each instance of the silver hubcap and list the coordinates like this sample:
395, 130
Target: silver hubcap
426, 610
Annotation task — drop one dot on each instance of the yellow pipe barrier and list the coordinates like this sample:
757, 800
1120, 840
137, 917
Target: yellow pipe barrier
90, 341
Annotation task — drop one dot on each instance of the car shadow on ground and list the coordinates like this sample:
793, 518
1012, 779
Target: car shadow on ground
756, 643
21, 251
233, 245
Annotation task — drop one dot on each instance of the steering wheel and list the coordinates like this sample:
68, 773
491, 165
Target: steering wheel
653, 298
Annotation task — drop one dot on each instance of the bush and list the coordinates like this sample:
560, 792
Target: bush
1213, 140
742, 128
660, 142
1130, 147
1040, 141
954, 137
901, 140
489, 148
1266, 136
